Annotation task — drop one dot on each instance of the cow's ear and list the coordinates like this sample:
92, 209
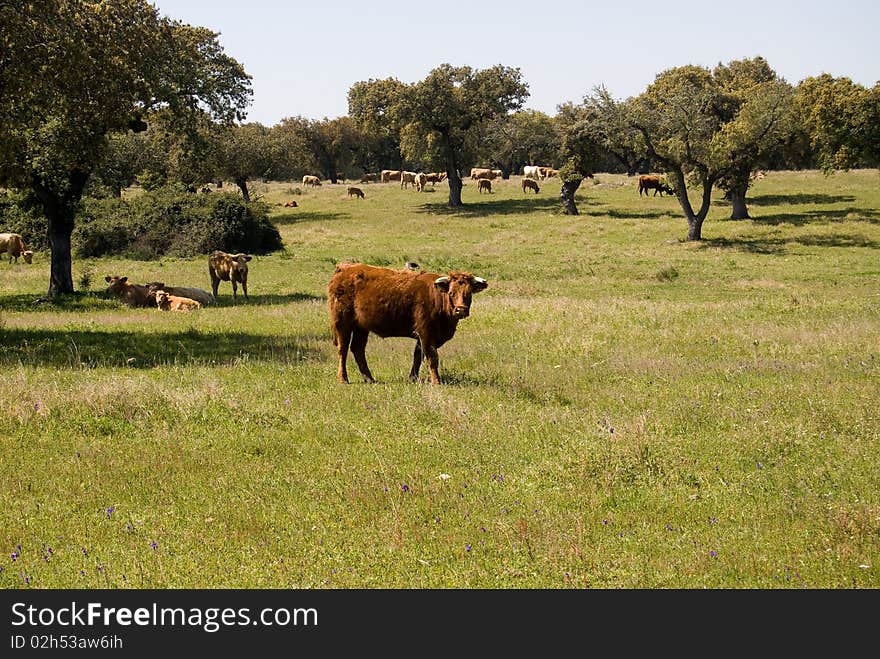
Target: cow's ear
248, 257
123, 279
442, 283
480, 284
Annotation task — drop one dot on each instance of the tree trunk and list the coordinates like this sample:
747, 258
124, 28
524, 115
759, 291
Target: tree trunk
453, 176
738, 201
694, 220
242, 185
695, 227
567, 196
61, 274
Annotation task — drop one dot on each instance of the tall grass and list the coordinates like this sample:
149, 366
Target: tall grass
623, 409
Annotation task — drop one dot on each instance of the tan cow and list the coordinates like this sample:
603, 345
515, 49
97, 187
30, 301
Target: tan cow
482, 172
229, 267
167, 302
13, 244
548, 172
529, 184
388, 175
532, 171
406, 178
355, 192
132, 295
200, 295
484, 184
421, 181
435, 177
314, 181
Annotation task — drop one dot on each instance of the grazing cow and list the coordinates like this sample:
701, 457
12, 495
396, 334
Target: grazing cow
14, 246
229, 267
484, 184
369, 178
482, 172
340, 177
532, 171
421, 181
547, 172
167, 302
406, 178
655, 183
435, 177
355, 192
291, 204
529, 184
388, 175
133, 295
200, 295
314, 181
406, 303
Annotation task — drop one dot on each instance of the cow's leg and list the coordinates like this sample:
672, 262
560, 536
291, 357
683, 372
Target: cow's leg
244, 287
417, 362
234, 289
359, 350
341, 337
433, 362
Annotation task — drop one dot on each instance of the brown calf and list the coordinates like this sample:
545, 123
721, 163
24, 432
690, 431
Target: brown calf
484, 184
529, 184
200, 295
355, 192
167, 302
655, 183
229, 267
406, 303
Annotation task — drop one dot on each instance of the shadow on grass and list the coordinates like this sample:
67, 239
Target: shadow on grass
61, 348
822, 217
802, 198
779, 245
90, 302
485, 208
627, 215
299, 216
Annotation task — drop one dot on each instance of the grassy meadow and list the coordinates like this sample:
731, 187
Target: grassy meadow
622, 409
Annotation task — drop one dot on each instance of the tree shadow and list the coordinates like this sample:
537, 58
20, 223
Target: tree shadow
801, 198
62, 348
225, 299
301, 217
821, 217
492, 207
779, 245
627, 215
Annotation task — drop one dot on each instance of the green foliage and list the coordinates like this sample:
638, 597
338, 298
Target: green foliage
173, 222
19, 216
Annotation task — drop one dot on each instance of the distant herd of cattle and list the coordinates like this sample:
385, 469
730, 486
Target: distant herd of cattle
362, 298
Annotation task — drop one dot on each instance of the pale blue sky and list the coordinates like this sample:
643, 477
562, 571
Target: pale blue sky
304, 57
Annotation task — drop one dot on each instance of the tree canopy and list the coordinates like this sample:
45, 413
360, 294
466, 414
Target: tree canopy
73, 71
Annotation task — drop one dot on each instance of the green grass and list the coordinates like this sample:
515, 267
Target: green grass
623, 409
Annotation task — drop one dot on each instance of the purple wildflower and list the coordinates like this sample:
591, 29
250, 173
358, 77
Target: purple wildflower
36, 406
110, 511
154, 544
714, 520
404, 487
605, 521
14, 555
668, 527
85, 553
760, 466
467, 547
713, 553
483, 529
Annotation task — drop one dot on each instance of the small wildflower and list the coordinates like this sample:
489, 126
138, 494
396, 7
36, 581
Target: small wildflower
85, 553
287, 401
760, 466
714, 520
605, 521
467, 547
713, 553
50, 551
14, 555
611, 430
100, 568
154, 544
444, 477
36, 406
110, 511
404, 487
483, 529
668, 527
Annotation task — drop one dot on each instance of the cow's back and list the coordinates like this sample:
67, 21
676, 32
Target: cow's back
383, 301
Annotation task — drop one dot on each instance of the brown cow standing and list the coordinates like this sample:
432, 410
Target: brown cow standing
355, 192
484, 184
424, 305
229, 267
14, 246
655, 183
529, 184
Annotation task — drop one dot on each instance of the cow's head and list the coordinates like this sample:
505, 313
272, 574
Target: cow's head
117, 284
459, 287
162, 299
28, 256
239, 261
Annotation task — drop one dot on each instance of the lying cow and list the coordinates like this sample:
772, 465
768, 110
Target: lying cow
167, 302
529, 184
229, 267
200, 295
484, 184
14, 246
132, 295
355, 192
290, 204
655, 183
406, 303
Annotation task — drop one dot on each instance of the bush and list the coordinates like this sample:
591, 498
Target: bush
173, 222
17, 217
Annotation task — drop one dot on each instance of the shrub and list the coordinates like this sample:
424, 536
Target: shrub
173, 222
18, 217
